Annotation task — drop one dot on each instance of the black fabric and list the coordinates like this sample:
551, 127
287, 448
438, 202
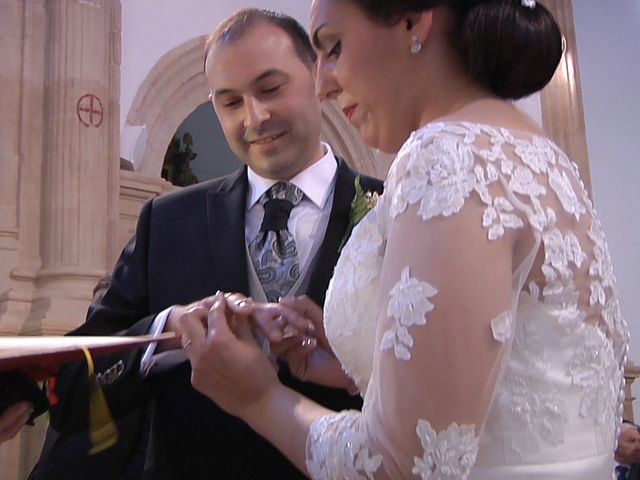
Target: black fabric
188, 245
276, 215
16, 386
66, 456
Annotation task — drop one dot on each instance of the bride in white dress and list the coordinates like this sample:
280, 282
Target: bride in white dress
474, 307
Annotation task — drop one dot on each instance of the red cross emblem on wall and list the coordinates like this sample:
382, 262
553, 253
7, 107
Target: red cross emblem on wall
90, 111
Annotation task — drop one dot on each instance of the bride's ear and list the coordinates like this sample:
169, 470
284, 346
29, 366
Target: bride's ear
418, 27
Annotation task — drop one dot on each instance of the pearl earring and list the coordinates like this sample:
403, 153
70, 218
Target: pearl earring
416, 46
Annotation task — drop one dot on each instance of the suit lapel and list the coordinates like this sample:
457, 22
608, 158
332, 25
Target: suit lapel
338, 222
226, 206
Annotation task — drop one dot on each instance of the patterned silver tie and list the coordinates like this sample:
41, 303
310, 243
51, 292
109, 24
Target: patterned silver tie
273, 250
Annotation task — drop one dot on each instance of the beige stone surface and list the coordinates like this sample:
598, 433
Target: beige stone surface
562, 109
59, 190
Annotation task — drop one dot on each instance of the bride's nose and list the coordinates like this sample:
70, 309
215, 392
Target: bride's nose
327, 88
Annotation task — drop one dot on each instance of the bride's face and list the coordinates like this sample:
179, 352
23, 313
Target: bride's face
362, 65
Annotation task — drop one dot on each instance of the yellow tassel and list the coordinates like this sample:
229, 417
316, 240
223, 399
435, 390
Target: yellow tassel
102, 429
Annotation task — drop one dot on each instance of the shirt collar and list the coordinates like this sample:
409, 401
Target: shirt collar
315, 181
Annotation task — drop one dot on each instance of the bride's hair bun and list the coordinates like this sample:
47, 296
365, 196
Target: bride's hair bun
512, 47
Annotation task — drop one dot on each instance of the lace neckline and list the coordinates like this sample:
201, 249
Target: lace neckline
482, 126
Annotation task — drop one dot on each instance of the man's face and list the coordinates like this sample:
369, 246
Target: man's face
264, 97
628, 451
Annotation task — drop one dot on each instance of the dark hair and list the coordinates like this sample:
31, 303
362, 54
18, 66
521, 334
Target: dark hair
510, 48
239, 23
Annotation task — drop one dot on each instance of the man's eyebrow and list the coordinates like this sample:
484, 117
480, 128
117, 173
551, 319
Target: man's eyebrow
222, 91
264, 75
268, 73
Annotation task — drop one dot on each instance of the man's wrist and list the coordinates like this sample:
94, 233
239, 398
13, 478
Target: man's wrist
171, 325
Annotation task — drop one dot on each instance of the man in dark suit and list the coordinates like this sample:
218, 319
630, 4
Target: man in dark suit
627, 454
194, 242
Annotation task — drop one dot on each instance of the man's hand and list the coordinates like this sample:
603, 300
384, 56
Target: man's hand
173, 321
227, 364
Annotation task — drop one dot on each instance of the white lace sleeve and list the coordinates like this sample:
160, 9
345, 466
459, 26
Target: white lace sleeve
444, 321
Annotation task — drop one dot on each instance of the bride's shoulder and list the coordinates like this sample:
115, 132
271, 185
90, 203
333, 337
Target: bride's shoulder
459, 141
437, 142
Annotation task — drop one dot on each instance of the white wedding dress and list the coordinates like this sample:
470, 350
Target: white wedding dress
475, 309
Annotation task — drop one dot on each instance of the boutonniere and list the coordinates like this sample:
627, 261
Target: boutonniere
361, 204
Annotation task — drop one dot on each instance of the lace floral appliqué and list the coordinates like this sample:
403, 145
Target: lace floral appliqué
560, 252
562, 186
355, 270
499, 216
600, 269
593, 368
502, 326
536, 154
527, 418
441, 186
337, 449
409, 306
447, 455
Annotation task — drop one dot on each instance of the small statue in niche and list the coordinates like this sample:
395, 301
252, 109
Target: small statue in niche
176, 168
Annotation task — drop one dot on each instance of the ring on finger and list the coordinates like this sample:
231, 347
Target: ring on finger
309, 342
242, 302
186, 345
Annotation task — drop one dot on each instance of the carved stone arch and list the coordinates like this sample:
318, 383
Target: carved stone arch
176, 86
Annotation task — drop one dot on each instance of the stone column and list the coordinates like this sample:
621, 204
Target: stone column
22, 40
11, 34
59, 90
79, 174
631, 373
561, 100
21, 27
23, 122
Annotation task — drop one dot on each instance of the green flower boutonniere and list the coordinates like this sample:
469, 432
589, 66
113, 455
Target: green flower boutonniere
362, 202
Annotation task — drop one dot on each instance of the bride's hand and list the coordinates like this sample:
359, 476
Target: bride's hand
227, 364
278, 321
310, 357
275, 320
309, 362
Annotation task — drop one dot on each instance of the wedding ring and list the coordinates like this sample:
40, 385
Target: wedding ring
308, 342
186, 345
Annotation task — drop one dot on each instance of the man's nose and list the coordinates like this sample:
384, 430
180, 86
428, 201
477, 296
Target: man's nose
256, 113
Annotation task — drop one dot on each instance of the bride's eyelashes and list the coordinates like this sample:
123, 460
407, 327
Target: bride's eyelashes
335, 50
